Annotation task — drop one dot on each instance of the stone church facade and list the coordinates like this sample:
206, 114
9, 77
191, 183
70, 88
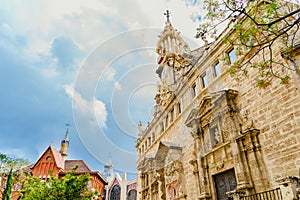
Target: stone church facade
212, 137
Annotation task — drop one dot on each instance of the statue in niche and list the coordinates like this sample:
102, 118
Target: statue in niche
245, 122
218, 136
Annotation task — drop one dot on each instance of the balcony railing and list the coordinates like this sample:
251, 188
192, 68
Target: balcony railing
267, 195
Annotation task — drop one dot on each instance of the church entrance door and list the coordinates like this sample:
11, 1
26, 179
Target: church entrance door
224, 182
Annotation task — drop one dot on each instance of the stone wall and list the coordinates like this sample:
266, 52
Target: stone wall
229, 125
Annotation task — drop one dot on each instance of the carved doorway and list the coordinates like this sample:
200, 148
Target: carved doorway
224, 182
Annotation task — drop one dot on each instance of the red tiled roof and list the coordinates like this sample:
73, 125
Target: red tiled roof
82, 166
60, 162
67, 165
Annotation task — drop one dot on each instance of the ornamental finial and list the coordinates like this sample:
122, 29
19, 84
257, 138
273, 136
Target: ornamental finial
167, 13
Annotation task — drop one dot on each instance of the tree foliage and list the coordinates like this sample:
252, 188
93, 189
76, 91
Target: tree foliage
70, 187
11, 171
7, 194
8, 163
261, 29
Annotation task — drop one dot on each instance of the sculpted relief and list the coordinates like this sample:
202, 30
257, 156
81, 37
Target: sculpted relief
173, 178
163, 95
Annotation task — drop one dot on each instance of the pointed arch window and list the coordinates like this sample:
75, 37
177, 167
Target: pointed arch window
115, 193
132, 195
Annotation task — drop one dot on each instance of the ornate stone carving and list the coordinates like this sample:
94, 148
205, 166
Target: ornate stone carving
220, 164
218, 135
245, 122
173, 171
173, 180
164, 95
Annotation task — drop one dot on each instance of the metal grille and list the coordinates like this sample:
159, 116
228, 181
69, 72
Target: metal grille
267, 195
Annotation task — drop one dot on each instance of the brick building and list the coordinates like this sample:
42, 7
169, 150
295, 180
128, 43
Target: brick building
211, 136
55, 162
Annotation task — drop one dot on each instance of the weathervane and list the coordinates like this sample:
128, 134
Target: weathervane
68, 125
67, 131
167, 13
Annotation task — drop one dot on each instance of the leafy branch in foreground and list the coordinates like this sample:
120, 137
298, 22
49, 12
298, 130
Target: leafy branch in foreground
261, 29
11, 172
70, 187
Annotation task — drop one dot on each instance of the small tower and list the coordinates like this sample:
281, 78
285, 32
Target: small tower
140, 128
108, 170
173, 61
65, 144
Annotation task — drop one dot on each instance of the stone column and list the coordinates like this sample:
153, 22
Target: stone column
237, 151
289, 187
241, 176
194, 163
196, 132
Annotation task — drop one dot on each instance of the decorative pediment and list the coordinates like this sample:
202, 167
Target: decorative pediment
194, 114
165, 152
164, 148
205, 105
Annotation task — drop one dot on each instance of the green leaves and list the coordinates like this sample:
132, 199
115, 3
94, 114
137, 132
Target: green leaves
7, 163
261, 30
238, 26
70, 187
7, 194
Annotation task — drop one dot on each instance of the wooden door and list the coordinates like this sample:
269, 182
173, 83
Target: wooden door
224, 182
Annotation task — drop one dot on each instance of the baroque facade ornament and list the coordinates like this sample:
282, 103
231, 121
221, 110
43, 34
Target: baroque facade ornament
164, 95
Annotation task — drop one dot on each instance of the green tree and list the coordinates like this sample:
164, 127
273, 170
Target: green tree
261, 28
70, 187
11, 170
7, 163
7, 194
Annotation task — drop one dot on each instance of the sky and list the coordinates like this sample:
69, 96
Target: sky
88, 63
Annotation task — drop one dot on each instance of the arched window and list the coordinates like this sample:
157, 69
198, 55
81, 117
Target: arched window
132, 195
115, 193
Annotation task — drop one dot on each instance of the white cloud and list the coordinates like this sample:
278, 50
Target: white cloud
89, 109
88, 24
14, 152
100, 112
109, 74
49, 72
118, 86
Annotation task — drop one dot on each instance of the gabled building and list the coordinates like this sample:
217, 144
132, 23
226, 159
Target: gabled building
215, 138
55, 163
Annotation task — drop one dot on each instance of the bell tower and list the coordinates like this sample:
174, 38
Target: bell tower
108, 172
173, 58
65, 144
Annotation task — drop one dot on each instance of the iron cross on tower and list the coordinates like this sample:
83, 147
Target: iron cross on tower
68, 125
67, 131
167, 13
